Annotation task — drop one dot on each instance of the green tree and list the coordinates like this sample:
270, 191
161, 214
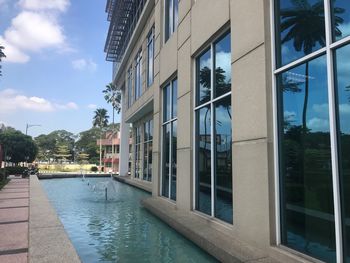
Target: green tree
17, 146
100, 120
87, 142
113, 96
62, 153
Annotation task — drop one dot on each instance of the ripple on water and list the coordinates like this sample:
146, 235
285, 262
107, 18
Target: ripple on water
117, 230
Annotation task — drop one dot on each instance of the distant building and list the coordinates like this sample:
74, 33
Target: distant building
110, 151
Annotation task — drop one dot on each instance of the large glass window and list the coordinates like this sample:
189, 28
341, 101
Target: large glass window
147, 148
170, 17
169, 164
150, 57
138, 75
129, 83
313, 120
138, 156
342, 76
214, 131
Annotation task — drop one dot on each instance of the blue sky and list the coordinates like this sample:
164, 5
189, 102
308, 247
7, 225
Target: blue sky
55, 68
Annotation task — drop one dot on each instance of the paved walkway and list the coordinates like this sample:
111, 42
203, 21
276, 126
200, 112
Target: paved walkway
14, 211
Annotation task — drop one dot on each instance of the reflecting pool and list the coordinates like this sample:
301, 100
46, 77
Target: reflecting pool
118, 230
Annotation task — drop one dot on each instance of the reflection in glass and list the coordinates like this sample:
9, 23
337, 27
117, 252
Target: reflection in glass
173, 160
223, 66
204, 78
340, 18
343, 91
203, 145
150, 57
166, 103
300, 29
223, 160
166, 159
305, 161
138, 158
174, 98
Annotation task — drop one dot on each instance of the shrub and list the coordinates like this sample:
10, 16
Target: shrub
15, 170
94, 169
3, 174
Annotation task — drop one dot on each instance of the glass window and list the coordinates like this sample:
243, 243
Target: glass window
138, 157
204, 78
138, 75
203, 155
150, 57
306, 172
223, 66
169, 140
300, 29
129, 87
342, 77
214, 132
171, 17
147, 161
340, 19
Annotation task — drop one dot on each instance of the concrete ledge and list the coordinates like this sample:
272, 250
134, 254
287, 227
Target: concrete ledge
222, 246
127, 180
68, 175
48, 241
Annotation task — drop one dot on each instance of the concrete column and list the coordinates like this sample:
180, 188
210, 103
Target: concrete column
124, 140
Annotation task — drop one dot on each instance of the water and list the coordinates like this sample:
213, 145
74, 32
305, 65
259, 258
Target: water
118, 230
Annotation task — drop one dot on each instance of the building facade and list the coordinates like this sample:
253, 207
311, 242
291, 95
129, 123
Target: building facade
240, 117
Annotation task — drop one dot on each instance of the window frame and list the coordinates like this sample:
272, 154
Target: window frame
197, 106
138, 76
329, 50
150, 41
170, 22
164, 123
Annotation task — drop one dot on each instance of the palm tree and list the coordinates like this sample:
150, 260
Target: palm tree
112, 95
100, 120
2, 55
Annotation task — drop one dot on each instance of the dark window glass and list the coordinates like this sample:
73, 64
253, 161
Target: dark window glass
305, 161
173, 160
166, 159
203, 145
166, 103
151, 130
343, 91
300, 29
204, 78
150, 57
171, 17
138, 75
223, 160
340, 18
223, 66
129, 87
145, 161
176, 14
150, 145
174, 98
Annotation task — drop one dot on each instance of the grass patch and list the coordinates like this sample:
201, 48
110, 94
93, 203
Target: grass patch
3, 183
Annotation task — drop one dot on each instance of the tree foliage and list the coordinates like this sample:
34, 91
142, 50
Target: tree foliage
2, 55
101, 118
17, 146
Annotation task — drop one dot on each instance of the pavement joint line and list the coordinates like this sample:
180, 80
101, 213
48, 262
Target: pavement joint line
10, 198
14, 222
10, 207
13, 251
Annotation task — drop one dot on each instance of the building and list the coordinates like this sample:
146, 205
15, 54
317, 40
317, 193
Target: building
110, 151
240, 116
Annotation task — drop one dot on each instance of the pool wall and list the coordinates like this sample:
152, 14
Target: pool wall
48, 241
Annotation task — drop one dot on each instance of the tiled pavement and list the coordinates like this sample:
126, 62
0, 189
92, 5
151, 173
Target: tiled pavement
14, 215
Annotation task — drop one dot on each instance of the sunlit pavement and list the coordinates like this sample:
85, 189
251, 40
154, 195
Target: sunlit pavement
14, 212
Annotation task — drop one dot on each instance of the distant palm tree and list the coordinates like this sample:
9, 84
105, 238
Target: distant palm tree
100, 120
113, 96
2, 55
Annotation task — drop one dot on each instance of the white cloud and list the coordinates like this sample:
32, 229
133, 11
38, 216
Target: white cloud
344, 108
34, 29
11, 100
321, 108
318, 124
92, 106
84, 64
60, 5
